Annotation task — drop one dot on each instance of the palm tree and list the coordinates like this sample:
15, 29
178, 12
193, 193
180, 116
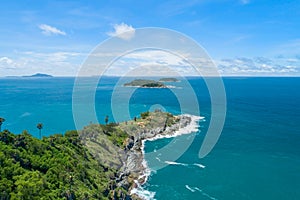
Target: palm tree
1, 122
106, 119
40, 126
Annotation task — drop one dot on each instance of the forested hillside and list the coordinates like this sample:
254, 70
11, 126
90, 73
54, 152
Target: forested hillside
56, 167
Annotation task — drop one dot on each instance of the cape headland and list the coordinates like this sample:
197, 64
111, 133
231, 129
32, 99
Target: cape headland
102, 161
124, 151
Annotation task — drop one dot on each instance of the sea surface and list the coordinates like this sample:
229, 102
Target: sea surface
257, 156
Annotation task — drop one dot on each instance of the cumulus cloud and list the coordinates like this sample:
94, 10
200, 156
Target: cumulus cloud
54, 63
151, 63
7, 63
258, 66
123, 31
50, 30
6, 60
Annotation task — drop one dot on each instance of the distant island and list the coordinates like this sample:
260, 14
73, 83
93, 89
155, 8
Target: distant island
144, 83
168, 80
38, 75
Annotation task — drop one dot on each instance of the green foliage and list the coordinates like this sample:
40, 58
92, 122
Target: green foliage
76, 165
115, 134
144, 115
39, 125
144, 83
41, 169
170, 120
157, 84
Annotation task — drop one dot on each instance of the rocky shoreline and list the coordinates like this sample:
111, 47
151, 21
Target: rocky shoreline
135, 172
120, 146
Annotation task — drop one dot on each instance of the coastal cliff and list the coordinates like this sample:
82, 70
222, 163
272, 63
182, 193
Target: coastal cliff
127, 157
98, 162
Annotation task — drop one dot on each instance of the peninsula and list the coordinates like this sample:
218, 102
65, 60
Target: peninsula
102, 161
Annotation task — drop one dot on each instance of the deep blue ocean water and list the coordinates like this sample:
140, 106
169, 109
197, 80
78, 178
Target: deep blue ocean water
257, 156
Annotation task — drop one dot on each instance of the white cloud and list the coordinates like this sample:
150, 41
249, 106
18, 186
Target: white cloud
6, 60
50, 30
258, 66
123, 31
158, 56
144, 63
7, 63
150, 63
54, 63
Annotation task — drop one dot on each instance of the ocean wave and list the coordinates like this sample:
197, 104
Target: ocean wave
199, 165
26, 114
149, 195
139, 190
196, 189
142, 193
176, 163
193, 127
189, 188
183, 164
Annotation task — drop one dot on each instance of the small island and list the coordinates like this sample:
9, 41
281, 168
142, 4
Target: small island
145, 83
168, 80
38, 75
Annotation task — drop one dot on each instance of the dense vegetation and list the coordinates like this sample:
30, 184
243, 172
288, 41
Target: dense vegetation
153, 85
56, 167
77, 165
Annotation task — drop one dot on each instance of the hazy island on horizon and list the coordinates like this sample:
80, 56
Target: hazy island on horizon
37, 75
169, 80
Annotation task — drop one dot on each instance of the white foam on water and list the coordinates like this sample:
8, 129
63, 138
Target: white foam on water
199, 165
175, 163
191, 128
183, 164
195, 189
142, 193
189, 188
25, 114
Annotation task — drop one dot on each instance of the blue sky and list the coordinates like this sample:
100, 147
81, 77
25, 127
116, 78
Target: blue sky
243, 37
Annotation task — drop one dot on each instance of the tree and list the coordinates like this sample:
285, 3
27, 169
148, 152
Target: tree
29, 185
144, 115
40, 126
1, 122
106, 119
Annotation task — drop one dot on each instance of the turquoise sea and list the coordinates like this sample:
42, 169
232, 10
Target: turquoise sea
257, 156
